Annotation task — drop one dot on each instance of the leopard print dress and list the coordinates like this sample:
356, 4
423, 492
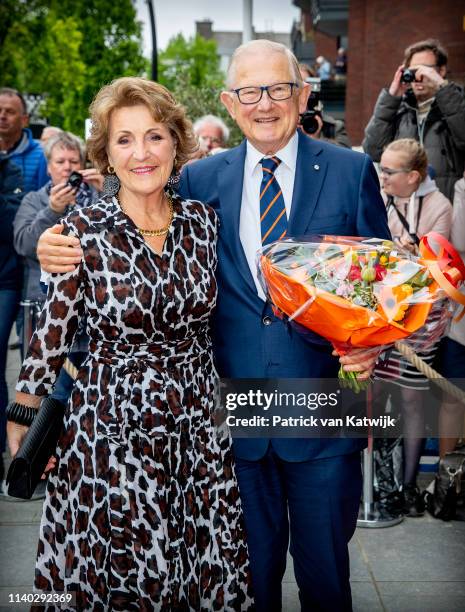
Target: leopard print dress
142, 510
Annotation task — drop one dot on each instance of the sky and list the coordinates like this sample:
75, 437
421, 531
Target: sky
173, 16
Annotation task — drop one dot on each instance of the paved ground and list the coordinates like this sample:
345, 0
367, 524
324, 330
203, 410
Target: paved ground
417, 566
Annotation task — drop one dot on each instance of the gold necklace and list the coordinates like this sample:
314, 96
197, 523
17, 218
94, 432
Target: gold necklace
156, 232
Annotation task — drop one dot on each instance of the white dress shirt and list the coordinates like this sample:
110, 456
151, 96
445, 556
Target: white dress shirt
249, 224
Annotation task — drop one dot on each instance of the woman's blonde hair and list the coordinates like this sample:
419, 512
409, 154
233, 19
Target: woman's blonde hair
131, 91
65, 140
415, 154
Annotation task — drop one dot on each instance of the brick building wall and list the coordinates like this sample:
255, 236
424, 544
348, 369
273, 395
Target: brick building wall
325, 45
379, 31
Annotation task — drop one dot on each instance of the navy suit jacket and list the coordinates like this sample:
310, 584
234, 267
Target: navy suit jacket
336, 191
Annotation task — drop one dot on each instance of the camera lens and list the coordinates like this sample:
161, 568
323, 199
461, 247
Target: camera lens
74, 180
408, 75
309, 122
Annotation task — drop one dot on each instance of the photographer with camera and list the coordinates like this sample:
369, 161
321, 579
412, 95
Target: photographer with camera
71, 184
315, 122
422, 104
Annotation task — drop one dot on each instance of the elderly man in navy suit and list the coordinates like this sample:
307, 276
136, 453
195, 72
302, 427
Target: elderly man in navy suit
279, 182
307, 490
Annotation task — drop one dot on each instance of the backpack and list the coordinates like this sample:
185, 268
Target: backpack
447, 501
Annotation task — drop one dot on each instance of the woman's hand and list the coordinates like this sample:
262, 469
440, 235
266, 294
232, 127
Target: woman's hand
57, 253
50, 465
360, 360
92, 177
15, 433
409, 245
60, 196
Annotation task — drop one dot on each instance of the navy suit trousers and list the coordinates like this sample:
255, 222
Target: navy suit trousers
314, 504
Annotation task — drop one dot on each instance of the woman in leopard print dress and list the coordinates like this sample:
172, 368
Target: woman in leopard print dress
142, 509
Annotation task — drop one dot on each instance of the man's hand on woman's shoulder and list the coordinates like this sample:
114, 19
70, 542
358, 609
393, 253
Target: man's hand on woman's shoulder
58, 253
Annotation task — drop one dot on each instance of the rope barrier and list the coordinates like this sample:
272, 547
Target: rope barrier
430, 373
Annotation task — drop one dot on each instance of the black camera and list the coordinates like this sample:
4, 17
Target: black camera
308, 119
408, 75
74, 180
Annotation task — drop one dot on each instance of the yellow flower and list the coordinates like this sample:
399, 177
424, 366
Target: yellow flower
407, 289
394, 301
400, 314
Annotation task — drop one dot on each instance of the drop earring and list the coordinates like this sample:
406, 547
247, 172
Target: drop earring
111, 182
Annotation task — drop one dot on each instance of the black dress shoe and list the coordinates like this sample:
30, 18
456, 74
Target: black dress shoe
414, 504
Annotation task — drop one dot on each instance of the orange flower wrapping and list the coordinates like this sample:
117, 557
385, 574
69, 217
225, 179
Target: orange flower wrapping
335, 318
362, 293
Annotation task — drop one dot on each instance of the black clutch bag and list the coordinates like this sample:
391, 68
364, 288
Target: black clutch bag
38, 446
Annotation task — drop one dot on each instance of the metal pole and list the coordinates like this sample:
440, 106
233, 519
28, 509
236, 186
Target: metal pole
367, 481
247, 20
30, 310
370, 513
154, 41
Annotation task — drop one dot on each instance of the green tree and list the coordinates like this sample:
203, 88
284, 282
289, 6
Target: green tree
68, 50
21, 28
199, 101
191, 71
112, 40
195, 60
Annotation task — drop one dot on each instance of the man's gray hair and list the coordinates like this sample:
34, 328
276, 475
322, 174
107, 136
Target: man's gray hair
272, 47
9, 91
66, 140
212, 120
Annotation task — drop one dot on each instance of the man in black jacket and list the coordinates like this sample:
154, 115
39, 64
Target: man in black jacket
11, 278
429, 108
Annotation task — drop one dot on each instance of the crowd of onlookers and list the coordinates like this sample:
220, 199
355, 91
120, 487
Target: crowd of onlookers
416, 134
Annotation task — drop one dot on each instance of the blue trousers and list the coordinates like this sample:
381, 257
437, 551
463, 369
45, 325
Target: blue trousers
314, 504
9, 305
64, 383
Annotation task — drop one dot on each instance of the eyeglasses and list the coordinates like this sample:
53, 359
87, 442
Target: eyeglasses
253, 95
390, 171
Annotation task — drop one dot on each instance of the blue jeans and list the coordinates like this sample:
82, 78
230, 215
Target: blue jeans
9, 305
64, 383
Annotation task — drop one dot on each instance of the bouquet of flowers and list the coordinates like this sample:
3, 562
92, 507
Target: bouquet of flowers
359, 292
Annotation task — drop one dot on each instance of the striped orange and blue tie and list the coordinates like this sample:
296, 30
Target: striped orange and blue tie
273, 219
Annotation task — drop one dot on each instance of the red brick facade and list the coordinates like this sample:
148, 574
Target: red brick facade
379, 31
325, 45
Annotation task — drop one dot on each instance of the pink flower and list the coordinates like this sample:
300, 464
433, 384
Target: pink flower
354, 273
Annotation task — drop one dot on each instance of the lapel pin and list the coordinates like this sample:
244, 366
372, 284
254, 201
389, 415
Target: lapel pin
316, 167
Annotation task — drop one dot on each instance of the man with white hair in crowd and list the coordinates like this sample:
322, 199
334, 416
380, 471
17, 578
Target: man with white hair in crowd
212, 131
323, 68
48, 132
